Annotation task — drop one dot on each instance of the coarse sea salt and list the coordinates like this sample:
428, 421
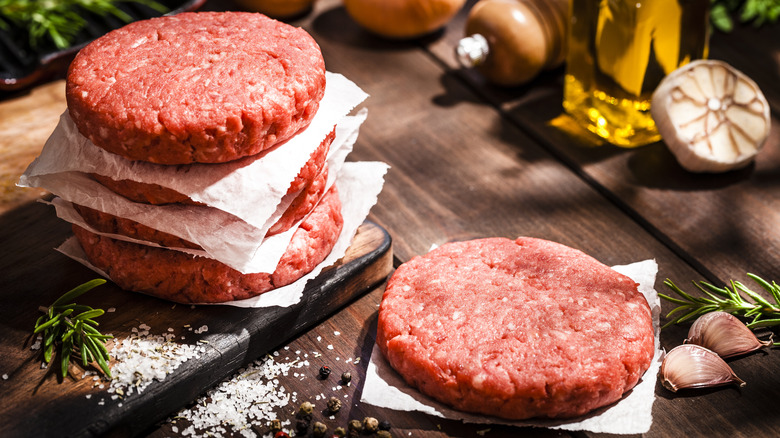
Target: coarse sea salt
247, 400
142, 358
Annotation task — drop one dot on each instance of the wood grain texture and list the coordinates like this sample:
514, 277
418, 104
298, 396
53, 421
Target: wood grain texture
33, 403
26, 122
468, 160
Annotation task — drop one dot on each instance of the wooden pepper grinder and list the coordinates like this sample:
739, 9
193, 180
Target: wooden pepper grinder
511, 41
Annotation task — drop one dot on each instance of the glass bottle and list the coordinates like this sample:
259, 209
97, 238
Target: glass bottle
618, 52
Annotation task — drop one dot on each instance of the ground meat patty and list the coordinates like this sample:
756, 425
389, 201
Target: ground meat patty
301, 206
515, 329
205, 87
182, 278
159, 195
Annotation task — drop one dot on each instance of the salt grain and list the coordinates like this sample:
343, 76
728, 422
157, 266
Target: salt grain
142, 358
5, 376
250, 398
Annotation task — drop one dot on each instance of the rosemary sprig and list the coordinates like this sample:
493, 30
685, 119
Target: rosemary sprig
760, 311
60, 21
72, 327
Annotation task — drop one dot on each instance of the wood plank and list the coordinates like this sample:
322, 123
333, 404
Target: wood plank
721, 225
725, 216
32, 402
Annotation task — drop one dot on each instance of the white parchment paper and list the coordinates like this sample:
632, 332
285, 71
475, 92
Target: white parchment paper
249, 189
632, 414
359, 184
223, 236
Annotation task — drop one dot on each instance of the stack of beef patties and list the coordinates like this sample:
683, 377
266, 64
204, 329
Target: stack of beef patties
200, 153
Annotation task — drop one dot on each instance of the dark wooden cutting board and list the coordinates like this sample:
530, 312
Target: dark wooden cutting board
34, 402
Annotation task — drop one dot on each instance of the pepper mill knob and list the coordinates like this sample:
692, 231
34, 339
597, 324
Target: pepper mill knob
511, 41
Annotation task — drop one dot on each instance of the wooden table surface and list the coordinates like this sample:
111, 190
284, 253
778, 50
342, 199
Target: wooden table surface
470, 160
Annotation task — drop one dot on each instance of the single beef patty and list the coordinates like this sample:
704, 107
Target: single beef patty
180, 277
205, 87
515, 329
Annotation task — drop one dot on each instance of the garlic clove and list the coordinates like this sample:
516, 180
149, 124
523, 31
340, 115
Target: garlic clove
693, 366
712, 117
724, 334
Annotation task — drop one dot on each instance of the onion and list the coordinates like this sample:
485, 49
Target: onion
278, 8
402, 19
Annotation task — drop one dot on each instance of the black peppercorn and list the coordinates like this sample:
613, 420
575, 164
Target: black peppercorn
302, 426
385, 425
324, 372
346, 378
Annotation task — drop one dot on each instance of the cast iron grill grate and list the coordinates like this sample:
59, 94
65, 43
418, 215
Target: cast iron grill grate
22, 65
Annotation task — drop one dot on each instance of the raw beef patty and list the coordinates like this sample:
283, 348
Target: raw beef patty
180, 277
515, 329
205, 87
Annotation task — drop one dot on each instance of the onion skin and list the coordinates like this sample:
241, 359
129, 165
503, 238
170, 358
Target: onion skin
280, 9
402, 19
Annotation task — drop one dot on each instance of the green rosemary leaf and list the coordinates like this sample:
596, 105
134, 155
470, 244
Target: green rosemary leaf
50, 323
73, 335
89, 314
104, 366
67, 348
763, 323
672, 299
85, 360
47, 352
763, 312
711, 290
78, 291
756, 297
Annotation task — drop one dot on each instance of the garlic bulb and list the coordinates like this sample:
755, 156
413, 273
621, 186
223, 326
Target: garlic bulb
693, 366
724, 334
713, 117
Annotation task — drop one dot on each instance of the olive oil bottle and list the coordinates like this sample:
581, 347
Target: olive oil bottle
618, 52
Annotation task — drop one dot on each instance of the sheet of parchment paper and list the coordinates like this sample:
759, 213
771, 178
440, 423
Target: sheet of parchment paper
249, 188
632, 414
223, 236
359, 184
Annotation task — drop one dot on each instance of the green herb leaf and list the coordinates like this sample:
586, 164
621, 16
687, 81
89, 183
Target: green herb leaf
61, 21
764, 313
759, 12
73, 335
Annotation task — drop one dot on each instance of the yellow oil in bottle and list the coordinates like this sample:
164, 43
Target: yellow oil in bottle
619, 50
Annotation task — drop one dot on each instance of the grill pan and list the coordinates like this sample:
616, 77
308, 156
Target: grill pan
22, 66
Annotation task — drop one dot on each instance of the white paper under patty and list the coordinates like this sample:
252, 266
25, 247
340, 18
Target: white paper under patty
632, 414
